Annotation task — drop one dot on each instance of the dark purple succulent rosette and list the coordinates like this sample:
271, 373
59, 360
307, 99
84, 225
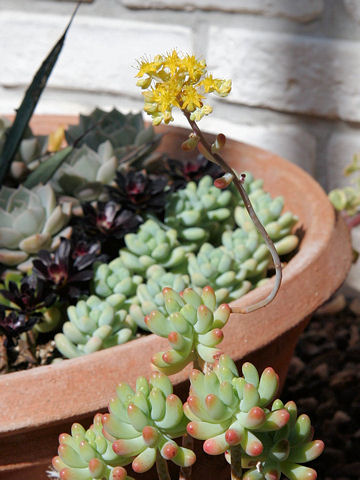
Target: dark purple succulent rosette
69, 277
13, 323
139, 191
183, 171
33, 294
105, 223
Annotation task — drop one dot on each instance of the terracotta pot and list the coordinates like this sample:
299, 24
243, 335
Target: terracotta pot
37, 405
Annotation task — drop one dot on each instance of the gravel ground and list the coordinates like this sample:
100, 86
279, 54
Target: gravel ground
324, 380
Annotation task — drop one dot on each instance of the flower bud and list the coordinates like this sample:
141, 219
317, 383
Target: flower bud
223, 181
190, 143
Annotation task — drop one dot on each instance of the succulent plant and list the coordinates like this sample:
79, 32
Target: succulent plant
13, 323
152, 245
192, 324
200, 212
68, 276
30, 295
88, 455
226, 409
114, 277
85, 172
94, 324
180, 171
269, 212
348, 198
142, 423
285, 449
251, 257
107, 222
149, 295
216, 266
126, 133
30, 221
140, 192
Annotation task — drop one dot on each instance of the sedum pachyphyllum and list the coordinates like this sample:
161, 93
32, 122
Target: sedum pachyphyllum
234, 415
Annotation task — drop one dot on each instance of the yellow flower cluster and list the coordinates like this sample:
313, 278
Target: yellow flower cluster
172, 81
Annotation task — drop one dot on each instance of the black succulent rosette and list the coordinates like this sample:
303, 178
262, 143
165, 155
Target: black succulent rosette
106, 223
13, 323
181, 171
23, 306
68, 274
140, 192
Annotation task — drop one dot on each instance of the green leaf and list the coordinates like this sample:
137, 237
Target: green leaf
29, 103
46, 169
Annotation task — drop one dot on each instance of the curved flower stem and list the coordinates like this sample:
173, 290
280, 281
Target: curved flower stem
354, 221
161, 467
185, 472
235, 454
187, 441
277, 264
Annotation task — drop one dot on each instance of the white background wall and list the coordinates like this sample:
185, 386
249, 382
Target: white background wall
295, 66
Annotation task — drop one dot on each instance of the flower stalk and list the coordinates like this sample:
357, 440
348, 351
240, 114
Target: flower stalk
162, 467
238, 183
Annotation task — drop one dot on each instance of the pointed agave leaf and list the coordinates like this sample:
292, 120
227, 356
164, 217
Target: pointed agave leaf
29, 103
44, 172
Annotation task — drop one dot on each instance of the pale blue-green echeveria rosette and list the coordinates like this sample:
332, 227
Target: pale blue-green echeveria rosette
229, 411
85, 172
200, 212
285, 449
88, 455
216, 267
93, 325
149, 294
30, 221
142, 423
192, 323
152, 245
115, 277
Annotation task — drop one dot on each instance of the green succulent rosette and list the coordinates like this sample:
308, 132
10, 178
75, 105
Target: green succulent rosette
115, 277
286, 449
232, 414
227, 410
277, 225
125, 132
153, 245
143, 423
200, 212
216, 267
149, 295
192, 323
30, 220
93, 325
88, 455
85, 172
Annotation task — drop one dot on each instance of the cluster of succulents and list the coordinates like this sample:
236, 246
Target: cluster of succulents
234, 415
200, 212
156, 256
94, 324
132, 222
